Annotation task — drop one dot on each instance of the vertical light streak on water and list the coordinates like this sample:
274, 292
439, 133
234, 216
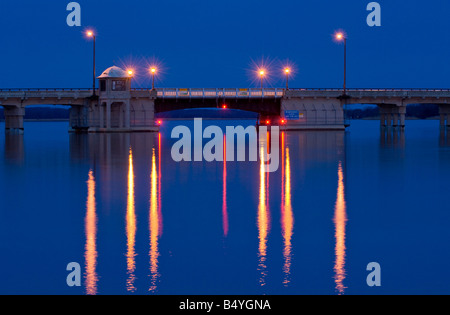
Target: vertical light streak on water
263, 220
131, 228
91, 253
159, 186
340, 221
224, 192
154, 227
287, 217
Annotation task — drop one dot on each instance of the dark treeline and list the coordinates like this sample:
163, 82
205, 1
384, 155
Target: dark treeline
43, 113
422, 111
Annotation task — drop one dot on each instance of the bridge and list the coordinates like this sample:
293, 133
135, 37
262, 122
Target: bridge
116, 107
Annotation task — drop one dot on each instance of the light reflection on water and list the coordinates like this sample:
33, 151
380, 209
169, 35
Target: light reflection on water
131, 228
91, 238
225, 222
154, 226
263, 217
116, 218
340, 221
287, 214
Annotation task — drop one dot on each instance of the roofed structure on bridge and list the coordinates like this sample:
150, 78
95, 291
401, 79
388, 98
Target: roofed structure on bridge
114, 72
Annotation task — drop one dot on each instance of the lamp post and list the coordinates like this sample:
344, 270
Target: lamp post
340, 36
262, 73
131, 75
287, 71
153, 72
92, 35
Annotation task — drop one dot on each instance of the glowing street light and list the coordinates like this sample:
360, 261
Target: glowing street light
153, 71
287, 71
262, 74
130, 73
340, 36
91, 34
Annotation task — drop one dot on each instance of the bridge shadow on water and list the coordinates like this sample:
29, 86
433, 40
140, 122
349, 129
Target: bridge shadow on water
392, 137
444, 137
14, 149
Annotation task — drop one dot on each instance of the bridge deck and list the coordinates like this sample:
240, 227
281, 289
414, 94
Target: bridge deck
173, 93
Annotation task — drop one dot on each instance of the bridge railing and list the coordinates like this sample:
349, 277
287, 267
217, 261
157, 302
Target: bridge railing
267, 92
218, 93
373, 89
44, 89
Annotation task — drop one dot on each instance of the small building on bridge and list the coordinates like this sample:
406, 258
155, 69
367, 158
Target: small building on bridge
116, 110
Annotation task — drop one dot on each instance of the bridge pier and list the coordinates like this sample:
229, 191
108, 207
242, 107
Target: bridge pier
79, 117
444, 113
392, 116
312, 112
14, 119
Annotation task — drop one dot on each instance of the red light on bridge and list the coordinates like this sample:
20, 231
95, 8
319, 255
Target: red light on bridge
283, 121
159, 122
224, 106
267, 122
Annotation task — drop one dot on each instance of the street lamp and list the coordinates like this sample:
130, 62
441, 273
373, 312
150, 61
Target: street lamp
92, 35
340, 36
153, 72
287, 71
131, 75
262, 73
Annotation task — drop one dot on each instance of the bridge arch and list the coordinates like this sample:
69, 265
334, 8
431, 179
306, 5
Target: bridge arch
264, 107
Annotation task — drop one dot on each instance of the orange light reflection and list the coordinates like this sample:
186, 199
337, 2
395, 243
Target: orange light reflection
91, 253
263, 220
224, 193
340, 221
154, 226
131, 228
287, 218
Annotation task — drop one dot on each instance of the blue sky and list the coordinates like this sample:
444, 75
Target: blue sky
210, 43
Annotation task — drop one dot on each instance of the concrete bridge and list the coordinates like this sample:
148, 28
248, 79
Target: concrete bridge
116, 107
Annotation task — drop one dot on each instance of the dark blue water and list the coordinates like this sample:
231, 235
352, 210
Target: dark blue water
138, 222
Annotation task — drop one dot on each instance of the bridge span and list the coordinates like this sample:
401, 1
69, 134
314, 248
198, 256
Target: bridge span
116, 107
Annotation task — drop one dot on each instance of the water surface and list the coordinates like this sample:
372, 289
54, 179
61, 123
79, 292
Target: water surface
138, 222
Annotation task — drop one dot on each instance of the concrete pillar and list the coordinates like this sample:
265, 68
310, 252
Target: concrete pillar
78, 118
14, 119
382, 119
402, 116
127, 114
385, 115
443, 119
108, 115
402, 120
395, 119
444, 112
121, 114
101, 115
389, 120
